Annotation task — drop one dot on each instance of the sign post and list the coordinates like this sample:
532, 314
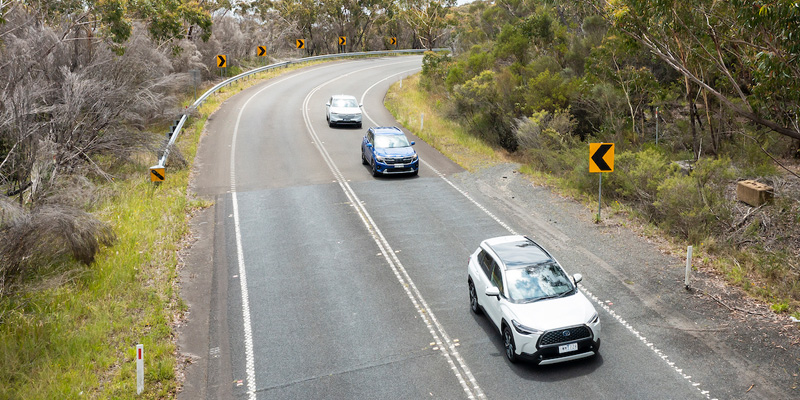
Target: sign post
139, 369
343, 44
601, 159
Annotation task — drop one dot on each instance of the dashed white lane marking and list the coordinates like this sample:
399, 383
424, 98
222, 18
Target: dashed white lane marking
644, 340
611, 312
250, 369
443, 341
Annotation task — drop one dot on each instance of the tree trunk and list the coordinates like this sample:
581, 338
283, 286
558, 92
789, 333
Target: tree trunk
690, 102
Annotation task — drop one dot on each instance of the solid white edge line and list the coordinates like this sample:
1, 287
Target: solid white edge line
418, 301
594, 298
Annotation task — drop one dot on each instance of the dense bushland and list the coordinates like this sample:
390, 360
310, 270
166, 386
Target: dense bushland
708, 98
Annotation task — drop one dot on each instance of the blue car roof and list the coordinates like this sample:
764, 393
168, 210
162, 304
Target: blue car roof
387, 130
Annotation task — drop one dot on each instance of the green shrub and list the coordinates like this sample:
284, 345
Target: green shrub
637, 175
693, 206
435, 67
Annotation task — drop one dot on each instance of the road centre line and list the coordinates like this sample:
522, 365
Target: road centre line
601, 303
437, 331
247, 326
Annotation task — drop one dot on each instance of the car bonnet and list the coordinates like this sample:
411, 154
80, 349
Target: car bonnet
395, 151
553, 313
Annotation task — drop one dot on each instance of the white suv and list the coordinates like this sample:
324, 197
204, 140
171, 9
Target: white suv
343, 109
535, 305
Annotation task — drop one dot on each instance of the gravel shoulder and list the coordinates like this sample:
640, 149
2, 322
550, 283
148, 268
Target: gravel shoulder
727, 344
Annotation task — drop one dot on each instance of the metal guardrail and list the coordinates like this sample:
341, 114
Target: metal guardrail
200, 100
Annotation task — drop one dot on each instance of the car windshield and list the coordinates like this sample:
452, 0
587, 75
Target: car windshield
537, 282
390, 141
344, 103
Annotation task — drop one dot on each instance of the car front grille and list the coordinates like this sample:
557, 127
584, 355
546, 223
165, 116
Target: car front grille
403, 160
565, 335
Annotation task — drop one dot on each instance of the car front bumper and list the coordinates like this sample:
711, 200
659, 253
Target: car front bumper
387, 169
529, 347
345, 119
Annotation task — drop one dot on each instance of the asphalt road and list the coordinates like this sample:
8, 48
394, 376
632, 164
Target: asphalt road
323, 282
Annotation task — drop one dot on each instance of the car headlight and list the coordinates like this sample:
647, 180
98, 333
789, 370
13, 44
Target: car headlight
379, 158
414, 157
594, 318
525, 330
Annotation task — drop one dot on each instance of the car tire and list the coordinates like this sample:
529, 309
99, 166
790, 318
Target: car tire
363, 160
359, 125
330, 124
375, 172
415, 173
473, 299
508, 344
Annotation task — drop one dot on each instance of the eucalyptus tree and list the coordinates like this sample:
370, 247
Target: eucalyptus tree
304, 15
428, 18
743, 54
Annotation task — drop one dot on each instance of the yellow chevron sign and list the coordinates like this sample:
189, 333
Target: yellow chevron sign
301, 43
601, 157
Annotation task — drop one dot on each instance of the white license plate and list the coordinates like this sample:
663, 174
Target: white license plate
399, 165
567, 348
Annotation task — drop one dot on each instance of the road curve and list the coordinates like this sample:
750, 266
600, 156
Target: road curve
325, 282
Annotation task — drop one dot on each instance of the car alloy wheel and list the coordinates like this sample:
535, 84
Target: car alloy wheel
508, 343
374, 170
473, 299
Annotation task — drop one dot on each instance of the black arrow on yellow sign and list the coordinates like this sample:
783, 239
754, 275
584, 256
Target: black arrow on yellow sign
342, 40
301, 43
222, 61
393, 41
262, 51
601, 157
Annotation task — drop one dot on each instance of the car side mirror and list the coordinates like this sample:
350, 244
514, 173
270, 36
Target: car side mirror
328, 104
361, 105
413, 143
577, 278
492, 291
369, 145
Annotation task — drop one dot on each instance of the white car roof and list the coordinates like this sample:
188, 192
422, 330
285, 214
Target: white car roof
518, 254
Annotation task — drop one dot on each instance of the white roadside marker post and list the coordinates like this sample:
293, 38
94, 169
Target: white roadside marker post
688, 266
139, 369
421, 121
